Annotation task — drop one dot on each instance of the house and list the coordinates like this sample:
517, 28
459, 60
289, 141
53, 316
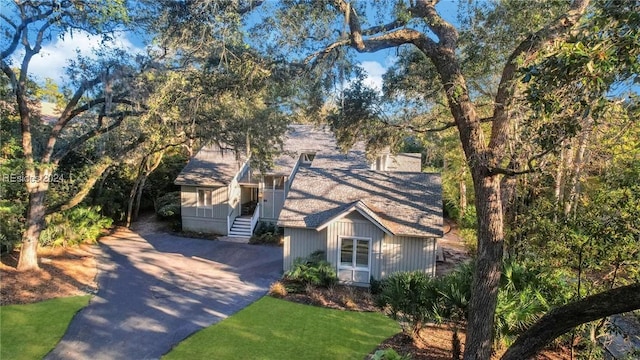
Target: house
371, 218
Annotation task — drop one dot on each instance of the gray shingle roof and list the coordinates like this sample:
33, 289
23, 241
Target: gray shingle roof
407, 203
320, 141
211, 167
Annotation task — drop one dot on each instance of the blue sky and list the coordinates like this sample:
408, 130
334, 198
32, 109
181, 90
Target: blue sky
54, 56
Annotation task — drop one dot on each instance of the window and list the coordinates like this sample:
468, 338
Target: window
274, 182
204, 197
354, 253
307, 158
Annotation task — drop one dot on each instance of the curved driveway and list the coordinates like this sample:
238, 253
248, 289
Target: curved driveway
156, 290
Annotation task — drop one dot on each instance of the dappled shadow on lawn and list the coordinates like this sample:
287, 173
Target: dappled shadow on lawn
156, 291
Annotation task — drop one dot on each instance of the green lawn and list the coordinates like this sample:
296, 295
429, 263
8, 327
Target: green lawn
30, 331
277, 329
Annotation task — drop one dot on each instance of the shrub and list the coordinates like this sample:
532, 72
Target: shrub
469, 220
11, 224
375, 286
411, 298
469, 236
389, 354
267, 233
168, 206
314, 270
74, 226
277, 289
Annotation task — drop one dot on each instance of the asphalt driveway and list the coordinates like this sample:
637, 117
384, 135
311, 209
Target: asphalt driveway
156, 290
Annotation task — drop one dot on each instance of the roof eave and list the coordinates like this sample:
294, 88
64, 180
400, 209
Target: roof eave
361, 208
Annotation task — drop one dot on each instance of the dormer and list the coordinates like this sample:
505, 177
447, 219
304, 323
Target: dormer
306, 158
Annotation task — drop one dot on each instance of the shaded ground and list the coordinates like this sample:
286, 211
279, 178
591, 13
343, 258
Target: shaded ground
63, 273
453, 248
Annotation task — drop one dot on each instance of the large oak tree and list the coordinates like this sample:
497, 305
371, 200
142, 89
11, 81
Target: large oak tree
420, 25
101, 98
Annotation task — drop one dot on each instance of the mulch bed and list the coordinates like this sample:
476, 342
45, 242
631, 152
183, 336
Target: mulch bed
63, 272
435, 340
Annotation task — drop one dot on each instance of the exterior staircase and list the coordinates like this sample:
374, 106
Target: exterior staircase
241, 227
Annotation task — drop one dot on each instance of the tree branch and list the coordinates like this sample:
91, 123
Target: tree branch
560, 320
446, 33
384, 41
19, 31
529, 47
90, 134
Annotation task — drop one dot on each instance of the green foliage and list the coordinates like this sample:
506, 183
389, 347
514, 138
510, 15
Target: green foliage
314, 270
75, 226
389, 354
411, 298
11, 223
526, 293
267, 233
470, 237
168, 206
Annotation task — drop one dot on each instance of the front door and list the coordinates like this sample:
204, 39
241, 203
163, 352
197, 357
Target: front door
354, 263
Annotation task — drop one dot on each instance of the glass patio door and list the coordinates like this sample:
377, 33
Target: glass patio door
355, 260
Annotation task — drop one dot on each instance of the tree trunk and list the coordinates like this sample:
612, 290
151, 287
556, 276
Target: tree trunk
149, 168
486, 278
560, 320
132, 196
136, 208
576, 171
100, 190
96, 173
35, 222
559, 180
463, 196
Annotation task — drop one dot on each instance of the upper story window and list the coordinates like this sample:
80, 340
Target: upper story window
382, 163
204, 197
274, 181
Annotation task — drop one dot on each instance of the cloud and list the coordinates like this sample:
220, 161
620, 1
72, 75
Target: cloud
374, 71
53, 57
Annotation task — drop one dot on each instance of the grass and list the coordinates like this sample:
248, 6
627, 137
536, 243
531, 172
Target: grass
30, 331
277, 329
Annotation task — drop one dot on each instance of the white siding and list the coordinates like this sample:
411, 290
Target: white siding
402, 253
305, 242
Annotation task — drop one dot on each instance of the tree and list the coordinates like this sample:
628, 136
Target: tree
562, 319
28, 27
419, 25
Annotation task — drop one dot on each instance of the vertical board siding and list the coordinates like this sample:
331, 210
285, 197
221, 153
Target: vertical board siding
404, 253
355, 225
272, 203
301, 243
219, 200
204, 225
188, 200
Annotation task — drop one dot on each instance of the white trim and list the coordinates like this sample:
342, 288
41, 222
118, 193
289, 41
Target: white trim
354, 266
205, 207
357, 207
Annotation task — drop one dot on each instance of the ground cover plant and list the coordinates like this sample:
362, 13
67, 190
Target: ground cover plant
278, 329
30, 331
